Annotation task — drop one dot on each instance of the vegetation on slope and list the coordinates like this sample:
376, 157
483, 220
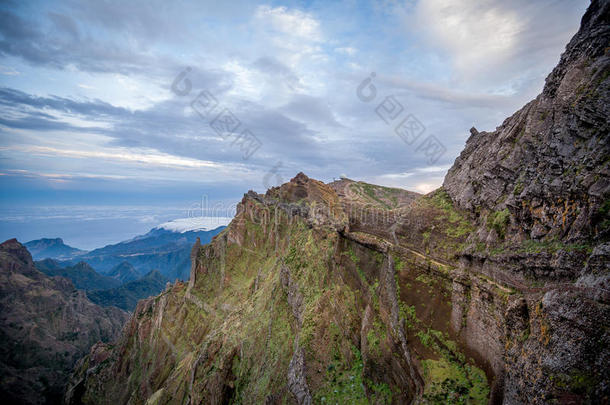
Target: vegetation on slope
81, 274
127, 295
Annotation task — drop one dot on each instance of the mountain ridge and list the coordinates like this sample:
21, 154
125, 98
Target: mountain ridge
45, 327
127, 295
52, 248
82, 275
354, 293
162, 249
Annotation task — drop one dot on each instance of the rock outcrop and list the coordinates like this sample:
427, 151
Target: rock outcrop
547, 165
491, 289
45, 327
538, 190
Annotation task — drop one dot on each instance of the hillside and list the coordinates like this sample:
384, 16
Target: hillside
52, 248
491, 289
123, 287
165, 248
127, 295
83, 276
123, 272
45, 327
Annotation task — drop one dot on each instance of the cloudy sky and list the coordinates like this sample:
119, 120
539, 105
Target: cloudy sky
140, 108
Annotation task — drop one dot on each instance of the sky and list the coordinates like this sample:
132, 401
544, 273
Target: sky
119, 115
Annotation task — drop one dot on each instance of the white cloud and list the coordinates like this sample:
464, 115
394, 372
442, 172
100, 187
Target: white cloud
432, 169
120, 154
292, 36
425, 188
247, 83
290, 22
420, 179
495, 46
347, 50
476, 34
195, 224
64, 176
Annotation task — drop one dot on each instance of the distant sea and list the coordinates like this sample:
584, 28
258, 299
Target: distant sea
84, 227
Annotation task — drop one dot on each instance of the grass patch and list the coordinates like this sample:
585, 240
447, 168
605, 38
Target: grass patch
498, 221
458, 226
518, 187
448, 382
552, 246
450, 379
399, 265
343, 385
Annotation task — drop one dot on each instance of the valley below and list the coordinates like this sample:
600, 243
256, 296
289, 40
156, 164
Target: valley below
492, 289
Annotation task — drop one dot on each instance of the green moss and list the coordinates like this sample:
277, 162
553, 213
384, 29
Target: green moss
577, 381
356, 260
448, 382
458, 225
407, 312
378, 258
518, 187
524, 335
353, 256
375, 336
498, 221
450, 379
497, 250
426, 279
384, 196
426, 236
381, 393
399, 265
425, 338
552, 246
294, 258
343, 384
369, 189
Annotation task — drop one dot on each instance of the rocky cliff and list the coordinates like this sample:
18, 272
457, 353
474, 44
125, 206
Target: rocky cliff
538, 190
492, 289
45, 327
547, 165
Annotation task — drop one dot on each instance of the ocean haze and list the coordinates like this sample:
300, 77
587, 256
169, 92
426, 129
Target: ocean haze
85, 227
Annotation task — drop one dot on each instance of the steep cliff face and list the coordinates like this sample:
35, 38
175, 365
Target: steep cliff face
538, 190
295, 302
290, 305
45, 327
547, 165
482, 291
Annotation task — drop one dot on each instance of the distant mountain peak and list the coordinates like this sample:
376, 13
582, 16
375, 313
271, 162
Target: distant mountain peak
182, 225
51, 248
124, 272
